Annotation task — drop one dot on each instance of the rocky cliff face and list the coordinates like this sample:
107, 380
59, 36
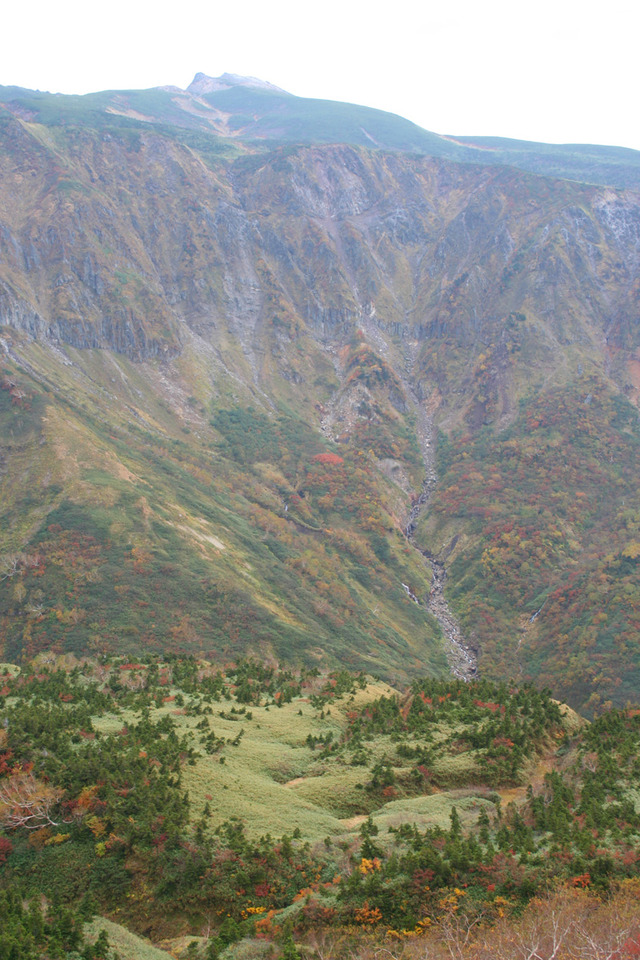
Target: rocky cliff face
118, 241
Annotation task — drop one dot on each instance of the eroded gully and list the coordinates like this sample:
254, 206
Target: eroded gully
461, 656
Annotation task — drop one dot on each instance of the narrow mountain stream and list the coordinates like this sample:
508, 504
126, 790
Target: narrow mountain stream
462, 658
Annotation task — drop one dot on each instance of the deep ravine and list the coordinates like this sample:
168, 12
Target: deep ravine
461, 656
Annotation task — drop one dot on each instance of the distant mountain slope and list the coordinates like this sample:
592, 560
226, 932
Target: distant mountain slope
233, 373
248, 109
276, 115
590, 163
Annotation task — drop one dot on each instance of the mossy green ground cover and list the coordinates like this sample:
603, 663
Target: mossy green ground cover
271, 767
318, 762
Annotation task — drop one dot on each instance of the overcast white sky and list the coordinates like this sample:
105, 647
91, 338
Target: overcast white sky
553, 70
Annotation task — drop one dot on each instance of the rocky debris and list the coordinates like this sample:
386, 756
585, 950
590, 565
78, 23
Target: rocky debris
461, 656
202, 84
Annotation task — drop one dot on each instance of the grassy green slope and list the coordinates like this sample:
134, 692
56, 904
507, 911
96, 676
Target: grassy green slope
277, 116
127, 945
589, 163
140, 532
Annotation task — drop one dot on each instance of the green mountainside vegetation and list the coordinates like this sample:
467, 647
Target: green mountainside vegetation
319, 450
231, 809
257, 536
236, 107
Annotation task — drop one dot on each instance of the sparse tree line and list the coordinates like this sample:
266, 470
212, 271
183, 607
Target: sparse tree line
104, 812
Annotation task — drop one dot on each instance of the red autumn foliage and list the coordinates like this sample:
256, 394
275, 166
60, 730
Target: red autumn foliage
330, 458
583, 880
5, 757
489, 706
5, 848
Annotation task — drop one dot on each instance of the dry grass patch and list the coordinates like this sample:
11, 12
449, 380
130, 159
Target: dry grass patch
334, 789
9, 668
251, 782
127, 945
456, 768
431, 811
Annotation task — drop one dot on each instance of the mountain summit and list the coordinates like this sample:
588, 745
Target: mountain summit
202, 84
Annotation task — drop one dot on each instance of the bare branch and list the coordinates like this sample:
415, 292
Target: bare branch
27, 802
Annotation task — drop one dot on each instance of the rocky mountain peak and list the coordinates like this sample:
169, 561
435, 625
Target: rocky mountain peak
202, 84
